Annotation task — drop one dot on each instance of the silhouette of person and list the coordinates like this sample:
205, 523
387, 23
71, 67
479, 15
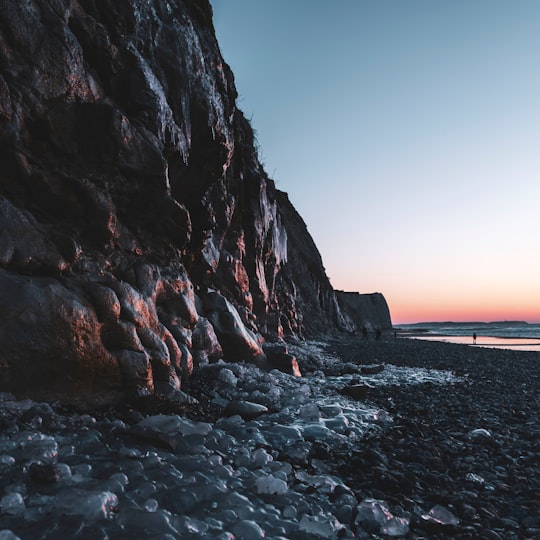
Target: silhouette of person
364, 332
474, 338
377, 333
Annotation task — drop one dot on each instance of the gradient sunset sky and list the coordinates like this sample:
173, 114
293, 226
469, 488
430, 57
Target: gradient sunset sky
407, 135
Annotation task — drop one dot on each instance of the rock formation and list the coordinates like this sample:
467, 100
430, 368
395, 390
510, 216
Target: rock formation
368, 311
139, 234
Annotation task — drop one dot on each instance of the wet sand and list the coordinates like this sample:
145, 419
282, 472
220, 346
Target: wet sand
492, 342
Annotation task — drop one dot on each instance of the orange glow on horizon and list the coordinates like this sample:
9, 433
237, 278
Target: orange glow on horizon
463, 295
407, 314
465, 306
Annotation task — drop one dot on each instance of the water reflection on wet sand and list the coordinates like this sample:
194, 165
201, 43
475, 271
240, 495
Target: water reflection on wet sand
516, 344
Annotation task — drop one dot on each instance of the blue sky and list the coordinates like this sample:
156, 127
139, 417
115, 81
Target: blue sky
407, 134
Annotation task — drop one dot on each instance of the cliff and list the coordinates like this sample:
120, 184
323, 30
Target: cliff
139, 234
368, 311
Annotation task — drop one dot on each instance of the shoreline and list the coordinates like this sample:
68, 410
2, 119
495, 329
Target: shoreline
486, 341
490, 480
455, 459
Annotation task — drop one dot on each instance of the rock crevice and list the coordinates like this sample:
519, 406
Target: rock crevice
139, 234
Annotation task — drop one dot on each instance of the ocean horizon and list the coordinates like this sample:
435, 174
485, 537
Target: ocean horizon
515, 335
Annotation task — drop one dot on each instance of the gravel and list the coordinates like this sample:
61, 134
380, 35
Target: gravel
390, 439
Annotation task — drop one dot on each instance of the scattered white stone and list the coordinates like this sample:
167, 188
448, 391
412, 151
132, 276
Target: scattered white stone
475, 479
373, 510
12, 504
7, 460
290, 512
382, 417
395, 527
271, 485
151, 505
479, 433
310, 412
287, 434
246, 409
261, 457
81, 472
121, 478
8, 535
440, 514
154, 524
227, 376
38, 447
247, 530
318, 432
321, 526
91, 505
174, 424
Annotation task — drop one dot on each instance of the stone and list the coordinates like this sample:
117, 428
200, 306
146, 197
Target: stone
43, 472
320, 526
271, 485
248, 530
205, 339
357, 391
441, 515
8, 535
246, 409
278, 357
237, 341
372, 370
12, 504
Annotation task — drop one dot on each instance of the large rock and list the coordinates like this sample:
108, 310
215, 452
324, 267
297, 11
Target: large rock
239, 343
51, 343
130, 187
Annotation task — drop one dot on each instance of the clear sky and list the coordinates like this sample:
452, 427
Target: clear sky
407, 134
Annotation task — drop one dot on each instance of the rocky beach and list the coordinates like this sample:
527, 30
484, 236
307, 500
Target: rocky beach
174, 360
395, 438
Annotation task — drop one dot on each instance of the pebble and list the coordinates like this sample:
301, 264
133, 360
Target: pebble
277, 456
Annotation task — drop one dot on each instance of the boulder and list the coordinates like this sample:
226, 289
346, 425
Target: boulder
357, 391
50, 343
278, 357
237, 341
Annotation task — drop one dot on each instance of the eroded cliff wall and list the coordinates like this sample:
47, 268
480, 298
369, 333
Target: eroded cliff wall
139, 234
369, 311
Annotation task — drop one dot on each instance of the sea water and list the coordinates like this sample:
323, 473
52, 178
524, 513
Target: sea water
516, 335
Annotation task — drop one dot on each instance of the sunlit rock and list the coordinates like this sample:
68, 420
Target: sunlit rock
278, 357
131, 191
238, 343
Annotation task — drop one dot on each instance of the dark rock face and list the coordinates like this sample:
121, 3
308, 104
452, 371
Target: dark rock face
139, 234
365, 310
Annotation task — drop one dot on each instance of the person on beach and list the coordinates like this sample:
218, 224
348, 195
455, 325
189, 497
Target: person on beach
377, 334
474, 338
364, 333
